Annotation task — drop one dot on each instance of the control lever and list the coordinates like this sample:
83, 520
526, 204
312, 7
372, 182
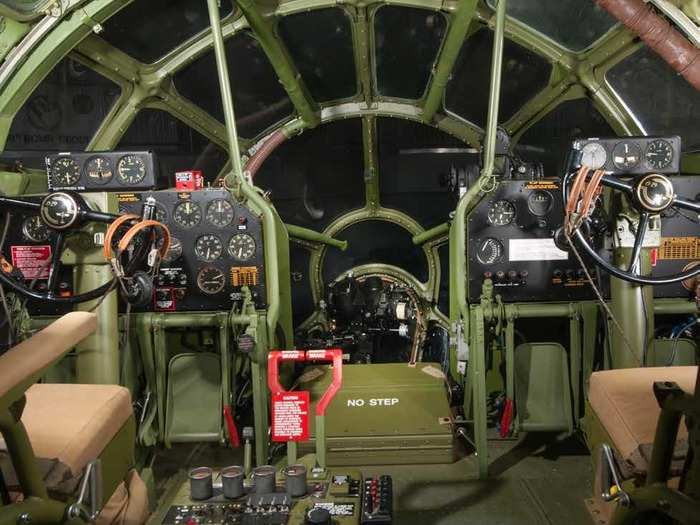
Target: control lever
610, 479
90, 492
248, 434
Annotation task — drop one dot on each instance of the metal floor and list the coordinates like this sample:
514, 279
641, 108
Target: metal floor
538, 480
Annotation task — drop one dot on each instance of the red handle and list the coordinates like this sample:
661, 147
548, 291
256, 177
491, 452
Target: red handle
335, 355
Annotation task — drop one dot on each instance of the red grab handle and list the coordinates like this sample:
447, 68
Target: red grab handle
335, 355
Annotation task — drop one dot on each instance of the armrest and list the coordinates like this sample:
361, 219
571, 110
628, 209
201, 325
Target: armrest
24, 364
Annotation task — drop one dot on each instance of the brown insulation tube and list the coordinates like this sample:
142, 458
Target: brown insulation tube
659, 35
254, 162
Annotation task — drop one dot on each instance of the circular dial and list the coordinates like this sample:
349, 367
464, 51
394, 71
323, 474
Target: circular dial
65, 172
131, 169
34, 229
187, 214
655, 193
659, 154
220, 213
161, 214
539, 202
594, 155
501, 213
59, 210
241, 246
208, 247
99, 170
211, 280
174, 251
626, 155
490, 251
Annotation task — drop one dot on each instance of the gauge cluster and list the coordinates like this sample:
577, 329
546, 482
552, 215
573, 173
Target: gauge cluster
515, 240
630, 155
101, 171
216, 248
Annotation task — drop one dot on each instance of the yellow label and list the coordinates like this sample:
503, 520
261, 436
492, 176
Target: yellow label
679, 248
543, 185
128, 197
244, 275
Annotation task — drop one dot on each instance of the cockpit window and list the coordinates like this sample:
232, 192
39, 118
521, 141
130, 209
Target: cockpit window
661, 100
63, 113
320, 43
258, 97
406, 41
148, 30
178, 147
573, 24
524, 75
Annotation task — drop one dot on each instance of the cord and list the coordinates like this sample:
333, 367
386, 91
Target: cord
676, 339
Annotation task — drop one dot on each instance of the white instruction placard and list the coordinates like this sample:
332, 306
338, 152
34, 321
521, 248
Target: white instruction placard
535, 250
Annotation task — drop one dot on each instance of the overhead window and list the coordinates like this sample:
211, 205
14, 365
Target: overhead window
259, 99
406, 43
573, 24
661, 100
524, 74
320, 43
177, 146
147, 30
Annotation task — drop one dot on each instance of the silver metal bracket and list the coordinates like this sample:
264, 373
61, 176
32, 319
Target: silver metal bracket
89, 503
610, 479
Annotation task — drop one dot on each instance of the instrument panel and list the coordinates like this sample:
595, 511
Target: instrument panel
216, 248
630, 155
101, 171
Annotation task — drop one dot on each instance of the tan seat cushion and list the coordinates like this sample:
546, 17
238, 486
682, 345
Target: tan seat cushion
69, 425
624, 403
128, 505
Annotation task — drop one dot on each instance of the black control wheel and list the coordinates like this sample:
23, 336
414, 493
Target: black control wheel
649, 194
61, 212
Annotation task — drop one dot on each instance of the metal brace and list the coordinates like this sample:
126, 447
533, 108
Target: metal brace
610, 479
462, 347
90, 489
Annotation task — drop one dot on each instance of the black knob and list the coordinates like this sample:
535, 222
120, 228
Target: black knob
512, 275
318, 516
500, 275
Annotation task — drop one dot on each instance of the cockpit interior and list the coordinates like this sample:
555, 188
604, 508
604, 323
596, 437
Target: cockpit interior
379, 262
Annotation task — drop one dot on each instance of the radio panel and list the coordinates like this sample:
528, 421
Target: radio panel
101, 171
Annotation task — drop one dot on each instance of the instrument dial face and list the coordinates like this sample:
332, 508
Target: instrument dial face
220, 213
659, 154
161, 214
34, 229
241, 246
59, 210
594, 155
539, 203
99, 170
65, 172
211, 280
208, 247
187, 214
131, 169
175, 250
655, 193
501, 213
626, 155
490, 251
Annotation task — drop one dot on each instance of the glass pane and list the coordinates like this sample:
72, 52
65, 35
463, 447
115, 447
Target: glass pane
302, 298
574, 24
62, 114
317, 176
444, 293
415, 161
320, 43
178, 147
660, 99
376, 242
406, 41
148, 30
258, 97
524, 75
549, 140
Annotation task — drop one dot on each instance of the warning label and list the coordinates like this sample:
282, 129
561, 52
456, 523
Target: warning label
32, 261
290, 416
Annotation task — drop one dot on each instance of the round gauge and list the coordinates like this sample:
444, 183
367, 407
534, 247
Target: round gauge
99, 170
208, 247
626, 155
659, 154
34, 229
59, 210
594, 155
501, 213
131, 169
187, 214
211, 280
490, 251
175, 250
539, 202
161, 214
65, 172
241, 246
220, 213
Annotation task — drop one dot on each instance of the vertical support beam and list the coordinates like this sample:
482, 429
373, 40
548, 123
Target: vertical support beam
371, 162
510, 357
575, 362
258, 369
459, 28
22, 456
477, 367
363, 58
